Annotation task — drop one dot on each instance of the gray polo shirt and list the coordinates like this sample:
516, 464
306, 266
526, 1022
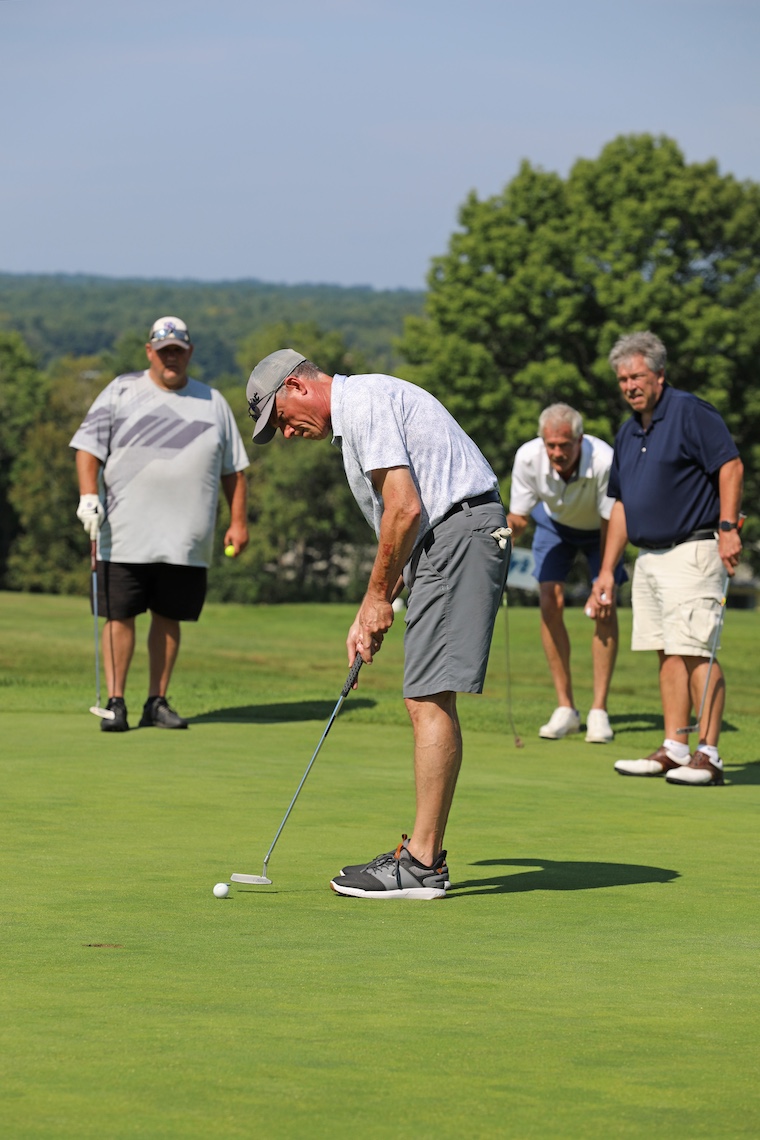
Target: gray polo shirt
380, 421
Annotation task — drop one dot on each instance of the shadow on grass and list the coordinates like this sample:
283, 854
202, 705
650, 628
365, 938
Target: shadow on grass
743, 773
648, 722
277, 713
561, 876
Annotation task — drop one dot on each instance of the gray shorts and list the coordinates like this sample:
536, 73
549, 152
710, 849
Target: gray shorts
456, 578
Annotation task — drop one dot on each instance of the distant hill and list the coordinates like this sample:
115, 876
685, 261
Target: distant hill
61, 314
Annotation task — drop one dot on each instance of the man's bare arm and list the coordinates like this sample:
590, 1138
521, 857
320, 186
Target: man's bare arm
398, 530
236, 493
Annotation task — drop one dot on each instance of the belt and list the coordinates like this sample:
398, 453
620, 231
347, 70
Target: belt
473, 501
695, 536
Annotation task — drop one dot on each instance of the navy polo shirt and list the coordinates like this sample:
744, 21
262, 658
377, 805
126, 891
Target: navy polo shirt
667, 475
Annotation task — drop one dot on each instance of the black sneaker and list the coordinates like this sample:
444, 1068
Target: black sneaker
119, 723
158, 714
395, 874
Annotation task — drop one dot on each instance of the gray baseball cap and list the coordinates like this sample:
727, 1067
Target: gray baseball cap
169, 330
264, 383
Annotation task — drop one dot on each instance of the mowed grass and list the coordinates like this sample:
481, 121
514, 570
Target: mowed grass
593, 972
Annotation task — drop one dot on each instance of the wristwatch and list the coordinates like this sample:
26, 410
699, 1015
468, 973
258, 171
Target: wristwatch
724, 524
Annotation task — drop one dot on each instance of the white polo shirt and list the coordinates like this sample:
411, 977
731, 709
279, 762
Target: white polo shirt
579, 503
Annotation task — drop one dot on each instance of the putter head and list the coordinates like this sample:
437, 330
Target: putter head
254, 880
689, 729
104, 714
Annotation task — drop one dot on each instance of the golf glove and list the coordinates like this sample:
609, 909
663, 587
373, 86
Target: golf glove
91, 514
501, 535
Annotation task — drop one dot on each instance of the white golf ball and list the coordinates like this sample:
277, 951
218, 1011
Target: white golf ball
398, 604
589, 611
221, 890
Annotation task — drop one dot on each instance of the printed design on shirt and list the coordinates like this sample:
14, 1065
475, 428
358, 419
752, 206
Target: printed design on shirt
167, 430
136, 443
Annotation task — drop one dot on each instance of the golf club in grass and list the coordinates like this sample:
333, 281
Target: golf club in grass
262, 880
689, 728
96, 710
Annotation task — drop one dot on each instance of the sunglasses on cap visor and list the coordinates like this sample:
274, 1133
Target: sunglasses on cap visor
254, 411
168, 332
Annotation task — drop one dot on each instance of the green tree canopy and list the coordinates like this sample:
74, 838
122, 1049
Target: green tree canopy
50, 552
23, 392
541, 279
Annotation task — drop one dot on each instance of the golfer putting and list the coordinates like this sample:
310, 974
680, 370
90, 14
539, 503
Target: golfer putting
433, 502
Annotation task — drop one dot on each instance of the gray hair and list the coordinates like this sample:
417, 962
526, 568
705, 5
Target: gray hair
644, 344
561, 414
308, 370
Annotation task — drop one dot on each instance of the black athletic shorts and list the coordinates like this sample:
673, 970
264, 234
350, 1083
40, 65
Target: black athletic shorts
126, 589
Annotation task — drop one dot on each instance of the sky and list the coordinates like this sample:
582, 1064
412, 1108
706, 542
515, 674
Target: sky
333, 141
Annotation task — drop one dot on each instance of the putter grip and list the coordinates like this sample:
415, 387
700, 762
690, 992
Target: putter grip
353, 674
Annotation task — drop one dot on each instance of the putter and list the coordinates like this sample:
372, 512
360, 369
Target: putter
689, 728
96, 710
262, 880
518, 741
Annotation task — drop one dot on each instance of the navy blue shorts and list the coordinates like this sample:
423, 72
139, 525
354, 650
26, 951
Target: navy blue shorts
126, 589
555, 548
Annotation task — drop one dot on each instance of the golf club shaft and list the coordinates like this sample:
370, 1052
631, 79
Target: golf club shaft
517, 740
350, 682
713, 651
695, 727
94, 570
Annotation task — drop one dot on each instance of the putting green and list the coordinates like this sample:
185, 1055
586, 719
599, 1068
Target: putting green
592, 973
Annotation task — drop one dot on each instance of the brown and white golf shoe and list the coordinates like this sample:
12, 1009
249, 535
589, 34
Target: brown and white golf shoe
656, 764
700, 772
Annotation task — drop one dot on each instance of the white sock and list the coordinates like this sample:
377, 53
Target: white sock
711, 751
676, 751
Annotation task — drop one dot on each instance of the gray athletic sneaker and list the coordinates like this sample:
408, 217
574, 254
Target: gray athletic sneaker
118, 723
395, 874
158, 713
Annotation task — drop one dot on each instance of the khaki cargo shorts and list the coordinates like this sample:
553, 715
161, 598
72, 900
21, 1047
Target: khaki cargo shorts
677, 598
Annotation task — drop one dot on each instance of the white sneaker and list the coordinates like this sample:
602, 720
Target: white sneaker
701, 771
562, 722
656, 764
598, 727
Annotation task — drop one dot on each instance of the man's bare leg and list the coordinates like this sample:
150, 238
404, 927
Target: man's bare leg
437, 760
163, 647
118, 647
604, 649
715, 701
556, 641
674, 694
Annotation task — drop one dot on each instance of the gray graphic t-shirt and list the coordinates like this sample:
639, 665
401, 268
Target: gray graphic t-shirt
163, 454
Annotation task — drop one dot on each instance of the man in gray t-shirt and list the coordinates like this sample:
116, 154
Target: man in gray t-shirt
151, 453
433, 502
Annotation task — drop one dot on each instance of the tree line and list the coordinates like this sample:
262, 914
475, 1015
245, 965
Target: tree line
536, 285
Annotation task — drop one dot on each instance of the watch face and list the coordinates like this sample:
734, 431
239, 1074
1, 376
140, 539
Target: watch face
725, 525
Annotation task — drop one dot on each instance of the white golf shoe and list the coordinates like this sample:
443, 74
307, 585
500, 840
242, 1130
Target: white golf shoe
656, 764
700, 772
562, 722
598, 727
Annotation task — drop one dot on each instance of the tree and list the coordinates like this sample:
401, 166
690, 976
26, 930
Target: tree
49, 554
23, 392
540, 281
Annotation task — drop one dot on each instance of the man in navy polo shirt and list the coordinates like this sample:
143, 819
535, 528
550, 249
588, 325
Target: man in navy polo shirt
677, 480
